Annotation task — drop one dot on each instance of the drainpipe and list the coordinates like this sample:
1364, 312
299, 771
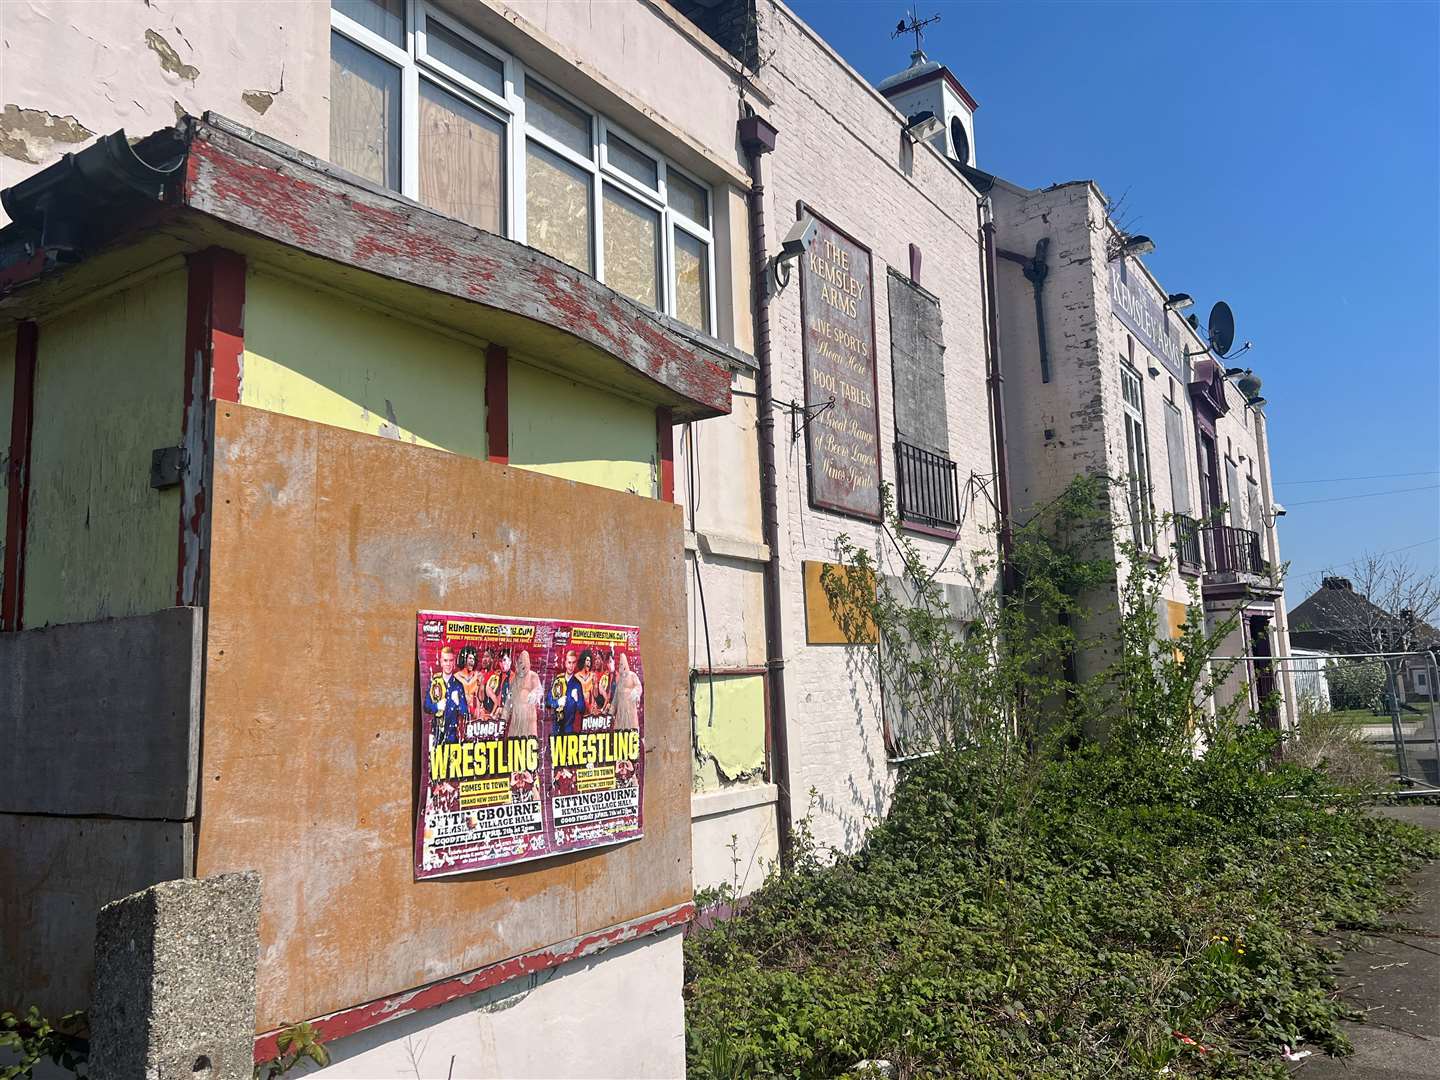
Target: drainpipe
758, 137
1036, 270
995, 383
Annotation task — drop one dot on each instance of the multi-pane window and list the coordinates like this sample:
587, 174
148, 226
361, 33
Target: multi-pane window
1137, 458
423, 105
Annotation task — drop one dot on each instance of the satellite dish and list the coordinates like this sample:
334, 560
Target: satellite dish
1222, 328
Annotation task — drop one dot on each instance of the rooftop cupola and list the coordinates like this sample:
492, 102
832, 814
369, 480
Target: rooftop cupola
929, 86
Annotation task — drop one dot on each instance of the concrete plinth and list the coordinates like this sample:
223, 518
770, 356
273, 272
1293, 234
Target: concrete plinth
175, 981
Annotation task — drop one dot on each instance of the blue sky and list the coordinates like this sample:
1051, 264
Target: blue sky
1285, 158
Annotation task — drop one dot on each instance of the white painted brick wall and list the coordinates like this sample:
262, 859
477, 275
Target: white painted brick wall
840, 151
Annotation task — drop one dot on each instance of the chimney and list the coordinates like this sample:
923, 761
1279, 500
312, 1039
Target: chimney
1337, 583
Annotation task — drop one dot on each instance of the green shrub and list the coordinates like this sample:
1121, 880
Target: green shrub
1356, 684
1039, 905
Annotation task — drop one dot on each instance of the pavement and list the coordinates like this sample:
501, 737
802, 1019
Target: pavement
1393, 977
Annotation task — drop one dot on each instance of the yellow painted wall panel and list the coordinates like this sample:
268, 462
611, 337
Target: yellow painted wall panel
561, 428
108, 390
730, 738
316, 356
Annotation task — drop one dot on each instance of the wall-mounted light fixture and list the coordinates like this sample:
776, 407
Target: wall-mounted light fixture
1179, 301
1139, 245
797, 241
922, 126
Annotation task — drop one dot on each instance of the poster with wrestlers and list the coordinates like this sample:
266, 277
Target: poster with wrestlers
594, 768
481, 701
532, 739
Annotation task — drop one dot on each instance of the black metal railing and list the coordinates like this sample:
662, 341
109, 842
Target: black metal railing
927, 487
1229, 550
1187, 542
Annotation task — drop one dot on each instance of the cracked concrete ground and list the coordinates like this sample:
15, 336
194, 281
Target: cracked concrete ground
1394, 978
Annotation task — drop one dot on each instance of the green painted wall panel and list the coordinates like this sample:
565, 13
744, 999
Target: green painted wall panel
108, 391
730, 741
320, 357
562, 428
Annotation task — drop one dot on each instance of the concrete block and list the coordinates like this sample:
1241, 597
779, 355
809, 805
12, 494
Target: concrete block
175, 981
102, 717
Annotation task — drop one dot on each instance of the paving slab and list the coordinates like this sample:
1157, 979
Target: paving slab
1393, 977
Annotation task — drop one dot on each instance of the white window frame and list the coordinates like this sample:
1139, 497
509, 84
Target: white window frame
415, 63
1137, 454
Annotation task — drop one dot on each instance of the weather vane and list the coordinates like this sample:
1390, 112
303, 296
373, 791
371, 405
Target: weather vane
915, 26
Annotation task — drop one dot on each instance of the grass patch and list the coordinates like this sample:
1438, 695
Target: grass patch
1123, 912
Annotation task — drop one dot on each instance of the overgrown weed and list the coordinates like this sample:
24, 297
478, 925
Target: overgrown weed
1142, 902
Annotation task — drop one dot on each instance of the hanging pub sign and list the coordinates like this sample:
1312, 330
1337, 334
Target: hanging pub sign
532, 732
842, 430
1136, 304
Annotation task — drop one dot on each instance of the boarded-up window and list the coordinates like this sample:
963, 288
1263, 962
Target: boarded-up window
687, 198
463, 57
553, 115
1235, 495
462, 159
692, 281
917, 359
1257, 518
364, 112
557, 207
383, 17
632, 161
729, 712
1175, 451
632, 248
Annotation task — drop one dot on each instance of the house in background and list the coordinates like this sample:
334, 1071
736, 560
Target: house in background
1337, 620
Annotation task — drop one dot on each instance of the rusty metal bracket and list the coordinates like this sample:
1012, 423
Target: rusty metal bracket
796, 410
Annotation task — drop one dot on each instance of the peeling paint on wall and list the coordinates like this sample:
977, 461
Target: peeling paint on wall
729, 730
32, 135
169, 58
259, 100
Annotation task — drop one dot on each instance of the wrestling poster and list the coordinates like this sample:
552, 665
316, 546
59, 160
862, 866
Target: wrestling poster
532, 739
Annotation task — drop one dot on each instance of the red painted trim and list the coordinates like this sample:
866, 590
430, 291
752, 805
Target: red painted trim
17, 508
497, 404
665, 434
358, 1018
928, 530
214, 369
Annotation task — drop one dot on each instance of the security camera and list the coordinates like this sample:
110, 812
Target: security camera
798, 240
1279, 510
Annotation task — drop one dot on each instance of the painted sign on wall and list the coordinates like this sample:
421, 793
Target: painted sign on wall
842, 442
1135, 303
532, 738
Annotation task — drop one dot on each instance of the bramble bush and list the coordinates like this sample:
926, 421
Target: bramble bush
1148, 901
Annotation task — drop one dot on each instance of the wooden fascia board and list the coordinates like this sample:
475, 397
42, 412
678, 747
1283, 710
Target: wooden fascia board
255, 189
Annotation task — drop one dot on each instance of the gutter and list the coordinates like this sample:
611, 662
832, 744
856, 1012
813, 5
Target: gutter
758, 138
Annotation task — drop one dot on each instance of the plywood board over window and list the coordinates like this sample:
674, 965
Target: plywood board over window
462, 159
822, 624
364, 112
557, 208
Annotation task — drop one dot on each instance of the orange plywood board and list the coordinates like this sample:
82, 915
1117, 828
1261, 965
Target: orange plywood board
325, 543
821, 625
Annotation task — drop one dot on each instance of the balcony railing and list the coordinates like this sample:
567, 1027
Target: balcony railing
927, 487
1187, 542
1229, 550
1218, 549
